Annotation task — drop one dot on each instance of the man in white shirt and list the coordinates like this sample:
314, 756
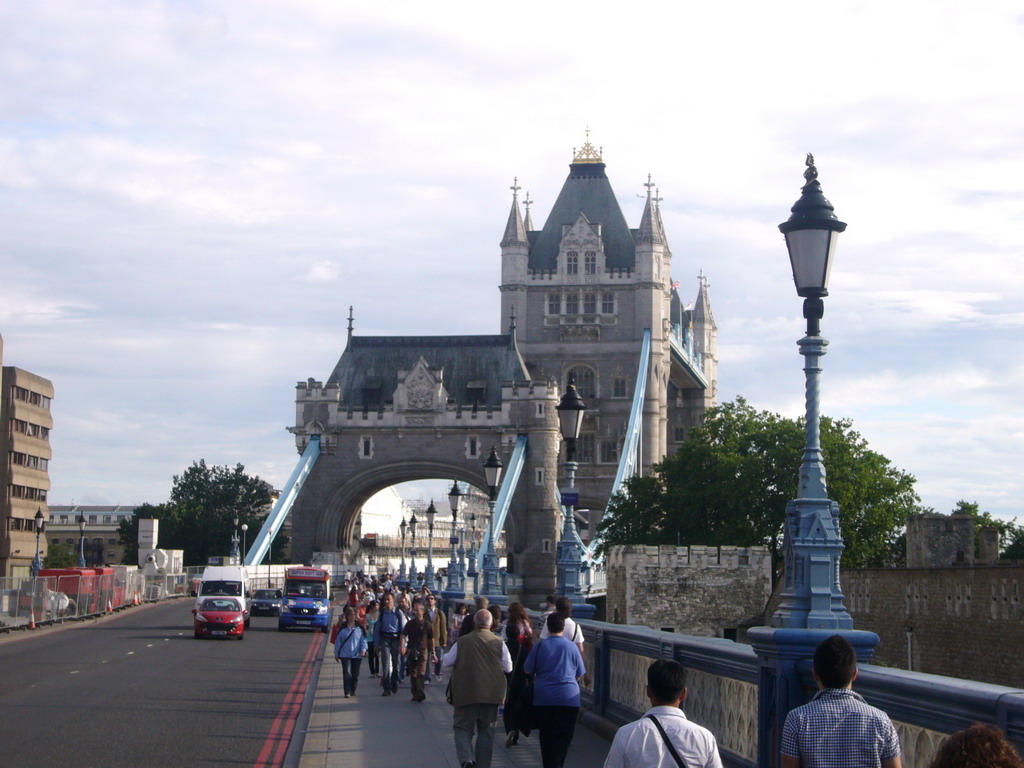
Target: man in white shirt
641, 744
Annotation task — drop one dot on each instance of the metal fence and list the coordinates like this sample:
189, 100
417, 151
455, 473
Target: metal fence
47, 599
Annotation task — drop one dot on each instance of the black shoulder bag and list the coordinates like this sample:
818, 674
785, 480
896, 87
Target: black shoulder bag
668, 743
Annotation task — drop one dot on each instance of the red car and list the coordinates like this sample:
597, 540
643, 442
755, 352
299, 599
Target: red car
220, 617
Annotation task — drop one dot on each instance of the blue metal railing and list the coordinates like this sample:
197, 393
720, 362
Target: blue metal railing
919, 703
261, 546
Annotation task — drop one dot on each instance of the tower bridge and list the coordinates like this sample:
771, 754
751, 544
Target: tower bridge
585, 296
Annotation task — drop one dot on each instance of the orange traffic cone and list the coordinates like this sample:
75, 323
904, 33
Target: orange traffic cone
110, 608
135, 598
32, 620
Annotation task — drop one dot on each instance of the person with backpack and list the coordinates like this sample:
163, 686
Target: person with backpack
349, 649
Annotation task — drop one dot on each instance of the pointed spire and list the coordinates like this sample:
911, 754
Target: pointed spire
350, 326
529, 221
702, 307
651, 232
515, 230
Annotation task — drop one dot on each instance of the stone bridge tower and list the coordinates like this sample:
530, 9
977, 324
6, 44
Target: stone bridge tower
583, 289
586, 286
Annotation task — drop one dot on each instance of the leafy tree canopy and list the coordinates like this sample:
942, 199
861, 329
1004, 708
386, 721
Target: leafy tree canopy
199, 516
60, 556
729, 483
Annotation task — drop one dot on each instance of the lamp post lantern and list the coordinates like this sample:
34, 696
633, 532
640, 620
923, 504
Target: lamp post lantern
37, 562
245, 528
403, 526
571, 410
81, 541
455, 582
492, 475
413, 575
812, 545
428, 572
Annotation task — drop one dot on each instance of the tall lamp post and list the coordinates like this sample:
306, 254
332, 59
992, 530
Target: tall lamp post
245, 528
571, 410
471, 570
428, 572
492, 475
403, 526
412, 552
811, 608
454, 570
81, 541
812, 544
37, 563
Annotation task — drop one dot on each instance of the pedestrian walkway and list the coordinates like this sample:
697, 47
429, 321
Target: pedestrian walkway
372, 731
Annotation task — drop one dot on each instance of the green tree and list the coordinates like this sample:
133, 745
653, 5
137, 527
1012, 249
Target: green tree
730, 481
199, 516
1010, 537
60, 556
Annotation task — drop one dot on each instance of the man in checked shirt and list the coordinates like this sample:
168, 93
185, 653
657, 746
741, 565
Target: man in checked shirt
837, 728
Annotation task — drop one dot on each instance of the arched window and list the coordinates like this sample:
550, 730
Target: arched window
584, 377
572, 263
590, 263
589, 303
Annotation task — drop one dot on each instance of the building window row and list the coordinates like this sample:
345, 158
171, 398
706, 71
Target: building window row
33, 398
30, 429
27, 492
21, 524
590, 303
607, 451
28, 460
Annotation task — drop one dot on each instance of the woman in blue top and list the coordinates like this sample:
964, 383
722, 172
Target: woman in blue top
349, 649
557, 665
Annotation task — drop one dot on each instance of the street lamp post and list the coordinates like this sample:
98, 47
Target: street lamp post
471, 570
412, 552
403, 526
245, 528
37, 562
428, 572
492, 475
811, 608
81, 541
812, 544
571, 410
454, 569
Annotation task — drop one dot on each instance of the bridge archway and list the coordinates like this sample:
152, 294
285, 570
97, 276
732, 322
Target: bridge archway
337, 522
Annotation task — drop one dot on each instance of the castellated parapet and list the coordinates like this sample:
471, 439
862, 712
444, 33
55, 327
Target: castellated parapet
695, 590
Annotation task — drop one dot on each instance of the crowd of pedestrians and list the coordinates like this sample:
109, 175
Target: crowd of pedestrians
501, 669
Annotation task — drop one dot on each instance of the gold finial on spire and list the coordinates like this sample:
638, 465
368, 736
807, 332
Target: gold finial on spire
587, 154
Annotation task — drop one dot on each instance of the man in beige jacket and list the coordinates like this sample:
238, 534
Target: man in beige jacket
479, 661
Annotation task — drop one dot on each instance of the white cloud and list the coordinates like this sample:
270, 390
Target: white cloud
188, 192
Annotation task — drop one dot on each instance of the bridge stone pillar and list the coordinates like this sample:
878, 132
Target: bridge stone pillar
537, 513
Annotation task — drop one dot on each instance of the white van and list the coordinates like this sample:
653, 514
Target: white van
231, 580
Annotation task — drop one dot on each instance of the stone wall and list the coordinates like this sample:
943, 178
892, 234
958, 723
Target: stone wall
962, 622
696, 590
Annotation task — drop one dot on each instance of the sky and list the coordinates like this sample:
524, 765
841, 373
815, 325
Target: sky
192, 194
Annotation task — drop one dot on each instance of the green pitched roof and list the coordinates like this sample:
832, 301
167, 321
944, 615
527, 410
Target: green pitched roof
588, 191
469, 363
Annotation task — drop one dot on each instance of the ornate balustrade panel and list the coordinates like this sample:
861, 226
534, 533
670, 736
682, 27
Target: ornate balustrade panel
726, 707
722, 678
